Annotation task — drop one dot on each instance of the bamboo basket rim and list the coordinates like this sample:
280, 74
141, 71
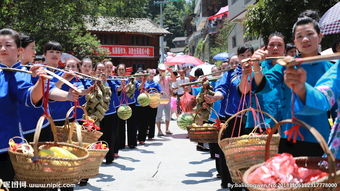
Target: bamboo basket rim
196, 113
153, 91
198, 131
235, 115
53, 127
330, 157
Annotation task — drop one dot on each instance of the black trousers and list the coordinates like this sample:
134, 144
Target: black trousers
300, 148
7, 171
109, 128
224, 170
131, 131
214, 154
147, 121
141, 122
151, 121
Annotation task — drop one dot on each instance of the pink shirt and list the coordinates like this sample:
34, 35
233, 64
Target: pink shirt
165, 83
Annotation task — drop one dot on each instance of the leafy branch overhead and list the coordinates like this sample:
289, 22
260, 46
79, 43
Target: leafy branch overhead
63, 20
268, 16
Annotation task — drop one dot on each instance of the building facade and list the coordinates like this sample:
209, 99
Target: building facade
237, 13
131, 41
199, 40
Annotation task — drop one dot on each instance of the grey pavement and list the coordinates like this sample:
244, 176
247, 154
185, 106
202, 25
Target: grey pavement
166, 163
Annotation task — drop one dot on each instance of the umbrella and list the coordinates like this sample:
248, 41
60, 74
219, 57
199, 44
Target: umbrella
205, 67
330, 21
223, 56
183, 59
220, 13
66, 56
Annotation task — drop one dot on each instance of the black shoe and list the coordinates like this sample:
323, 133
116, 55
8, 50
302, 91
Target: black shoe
224, 185
201, 148
83, 182
132, 146
109, 160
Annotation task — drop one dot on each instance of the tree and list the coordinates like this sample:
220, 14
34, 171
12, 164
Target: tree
220, 42
268, 16
173, 21
123, 8
64, 20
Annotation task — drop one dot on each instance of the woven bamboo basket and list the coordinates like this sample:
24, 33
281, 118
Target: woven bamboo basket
154, 98
95, 159
164, 99
333, 180
48, 170
202, 134
243, 152
87, 136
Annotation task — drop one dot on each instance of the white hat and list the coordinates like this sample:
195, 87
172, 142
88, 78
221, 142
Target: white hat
161, 67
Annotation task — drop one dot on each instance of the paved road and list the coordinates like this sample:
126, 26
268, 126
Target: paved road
168, 163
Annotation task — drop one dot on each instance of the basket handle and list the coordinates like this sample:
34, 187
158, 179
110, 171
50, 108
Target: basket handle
78, 130
17, 137
38, 131
152, 90
224, 127
315, 133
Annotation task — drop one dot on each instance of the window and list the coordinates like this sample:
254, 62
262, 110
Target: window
233, 42
107, 39
140, 40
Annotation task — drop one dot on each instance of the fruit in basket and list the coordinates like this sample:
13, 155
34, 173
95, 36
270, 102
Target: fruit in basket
124, 112
184, 120
98, 146
208, 125
249, 141
46, 153
62, 153
143, 99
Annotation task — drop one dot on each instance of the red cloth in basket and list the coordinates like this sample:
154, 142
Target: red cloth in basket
282, 169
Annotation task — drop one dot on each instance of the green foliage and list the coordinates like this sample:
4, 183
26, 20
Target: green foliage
88, 45
63, 20
124, 8
173, 22
199, 49
173, 14
220, 42
268, 16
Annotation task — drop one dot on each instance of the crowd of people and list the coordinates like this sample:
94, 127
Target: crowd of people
260, 84
263, 84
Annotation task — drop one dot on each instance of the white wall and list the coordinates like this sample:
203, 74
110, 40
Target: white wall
235, 13
238, 6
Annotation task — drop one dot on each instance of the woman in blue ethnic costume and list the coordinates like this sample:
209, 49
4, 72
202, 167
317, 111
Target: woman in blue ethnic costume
307, 37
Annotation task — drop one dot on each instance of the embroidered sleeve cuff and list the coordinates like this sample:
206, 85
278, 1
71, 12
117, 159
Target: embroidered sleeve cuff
29, 101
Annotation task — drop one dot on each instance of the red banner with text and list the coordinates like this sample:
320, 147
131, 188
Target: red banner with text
130, 51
